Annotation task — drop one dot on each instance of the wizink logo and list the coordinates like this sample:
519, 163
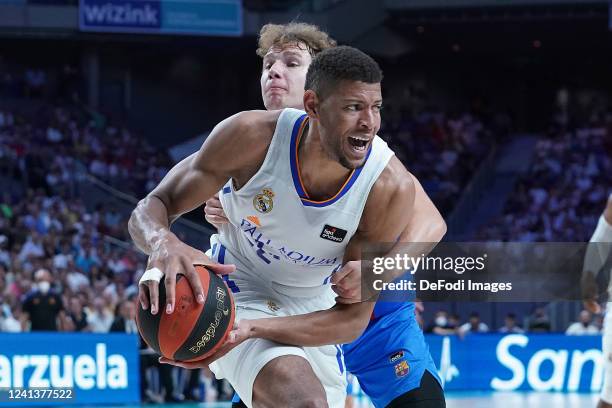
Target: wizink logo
120, 14
82, 371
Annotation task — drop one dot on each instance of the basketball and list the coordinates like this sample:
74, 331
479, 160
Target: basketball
193, 331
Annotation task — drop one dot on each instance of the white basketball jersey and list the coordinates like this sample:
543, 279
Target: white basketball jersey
284, 240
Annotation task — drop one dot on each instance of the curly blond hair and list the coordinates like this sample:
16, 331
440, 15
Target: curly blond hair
281, 34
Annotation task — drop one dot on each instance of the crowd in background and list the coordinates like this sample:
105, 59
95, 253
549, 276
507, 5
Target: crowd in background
51, 146
563, 193
57, 249
445, 323
443, 151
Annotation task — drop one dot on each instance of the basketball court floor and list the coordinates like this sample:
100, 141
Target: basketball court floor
463, 400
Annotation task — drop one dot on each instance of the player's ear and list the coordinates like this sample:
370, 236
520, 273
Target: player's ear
311, 104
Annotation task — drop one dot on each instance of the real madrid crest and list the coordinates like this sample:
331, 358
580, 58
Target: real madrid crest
263, 202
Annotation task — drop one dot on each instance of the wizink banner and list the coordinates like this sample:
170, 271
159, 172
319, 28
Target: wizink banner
543, 362
68, 369
190, 17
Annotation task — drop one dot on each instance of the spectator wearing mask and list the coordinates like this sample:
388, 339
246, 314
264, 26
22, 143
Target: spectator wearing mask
441, 324
42, 307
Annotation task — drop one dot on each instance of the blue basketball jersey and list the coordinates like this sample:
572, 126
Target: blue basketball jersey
391, 356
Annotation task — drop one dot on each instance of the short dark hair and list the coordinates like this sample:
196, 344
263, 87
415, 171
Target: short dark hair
342, 63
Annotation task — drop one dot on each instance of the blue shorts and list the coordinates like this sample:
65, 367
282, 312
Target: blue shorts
391, 356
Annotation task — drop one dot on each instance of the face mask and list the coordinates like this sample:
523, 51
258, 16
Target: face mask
441, 321
44, 286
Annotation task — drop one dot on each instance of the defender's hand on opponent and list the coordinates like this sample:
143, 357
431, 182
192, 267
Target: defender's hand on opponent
171, 257
347, 283
239, 333
214, 213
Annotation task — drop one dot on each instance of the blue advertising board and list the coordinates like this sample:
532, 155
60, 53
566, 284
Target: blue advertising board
534, 362
90, 365
189, 17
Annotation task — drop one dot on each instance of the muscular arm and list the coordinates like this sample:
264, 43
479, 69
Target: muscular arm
150, 221
234, 150
339, 325
397, 206
197, 177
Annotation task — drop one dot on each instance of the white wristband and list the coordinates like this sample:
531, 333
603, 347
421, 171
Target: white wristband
153, 274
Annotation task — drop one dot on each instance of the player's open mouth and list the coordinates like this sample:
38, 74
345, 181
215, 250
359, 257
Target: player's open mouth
358, 143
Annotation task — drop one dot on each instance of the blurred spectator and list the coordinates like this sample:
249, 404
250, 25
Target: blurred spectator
62, 259
8, 322
125, 321
442, 150
583, 326
474, 325
99, 319
510, 325
35, 81
567, 184
539, 321
33, 247
442, 325
78, 315
42, 307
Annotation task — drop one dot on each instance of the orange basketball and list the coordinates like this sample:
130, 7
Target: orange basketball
193, 331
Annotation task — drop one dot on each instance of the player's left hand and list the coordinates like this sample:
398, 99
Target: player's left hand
239, 333
347, 283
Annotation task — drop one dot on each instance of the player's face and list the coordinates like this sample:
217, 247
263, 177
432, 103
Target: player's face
349, 119
283, 76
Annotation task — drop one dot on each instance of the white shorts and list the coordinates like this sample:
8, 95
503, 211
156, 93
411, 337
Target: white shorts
606, 390
241, 365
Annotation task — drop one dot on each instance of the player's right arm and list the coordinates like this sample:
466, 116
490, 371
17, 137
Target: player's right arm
596, 255
234, 150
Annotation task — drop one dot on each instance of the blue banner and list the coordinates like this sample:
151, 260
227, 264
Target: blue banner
534, 362
190, 17
91, 368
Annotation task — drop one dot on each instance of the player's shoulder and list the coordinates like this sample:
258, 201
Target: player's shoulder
254, 123
395, 181
394, 187
244, 136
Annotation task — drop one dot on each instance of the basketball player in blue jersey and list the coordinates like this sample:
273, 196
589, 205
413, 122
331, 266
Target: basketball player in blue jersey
376, 359
306, 191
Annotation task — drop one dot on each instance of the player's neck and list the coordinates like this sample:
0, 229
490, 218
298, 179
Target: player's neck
321, 176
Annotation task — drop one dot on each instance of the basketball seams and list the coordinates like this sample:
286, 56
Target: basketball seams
191, 349
174, 329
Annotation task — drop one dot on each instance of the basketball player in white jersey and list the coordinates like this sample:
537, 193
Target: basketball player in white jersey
595, 258
286, 51
305, 192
